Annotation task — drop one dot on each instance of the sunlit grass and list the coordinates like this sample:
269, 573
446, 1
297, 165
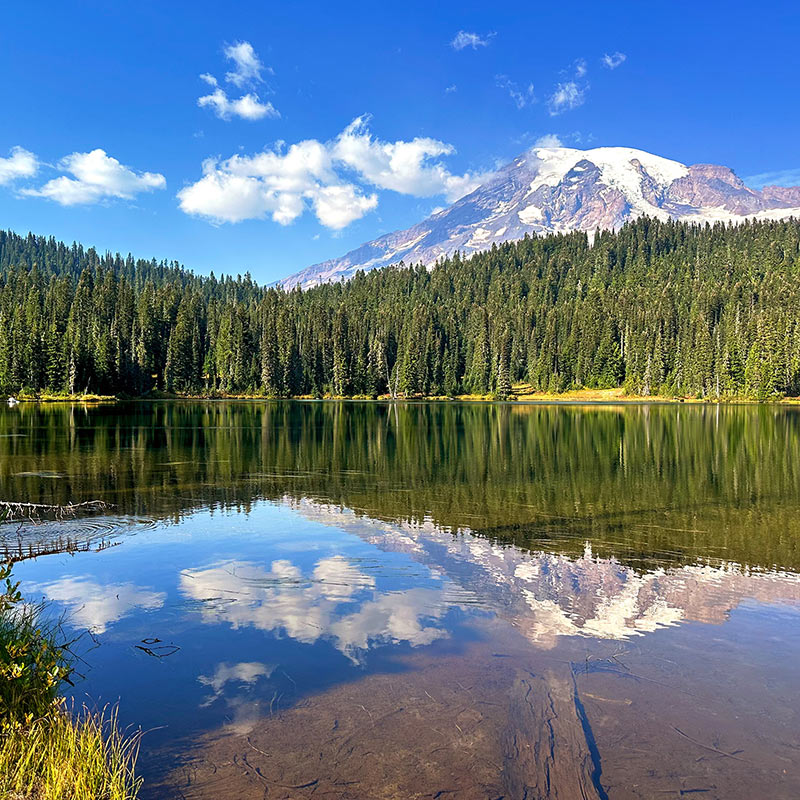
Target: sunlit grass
66, 757
63, 397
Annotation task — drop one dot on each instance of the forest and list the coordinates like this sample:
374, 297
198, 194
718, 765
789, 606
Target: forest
659, 307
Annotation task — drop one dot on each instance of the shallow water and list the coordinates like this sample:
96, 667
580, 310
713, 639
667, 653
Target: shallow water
351, 600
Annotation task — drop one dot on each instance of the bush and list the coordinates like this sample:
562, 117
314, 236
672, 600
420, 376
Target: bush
32, 665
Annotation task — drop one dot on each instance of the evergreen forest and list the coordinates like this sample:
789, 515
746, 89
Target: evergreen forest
659, 307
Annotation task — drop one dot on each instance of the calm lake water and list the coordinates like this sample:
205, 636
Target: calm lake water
357, 600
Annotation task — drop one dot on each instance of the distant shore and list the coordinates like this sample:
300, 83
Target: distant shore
44, 397
521, 394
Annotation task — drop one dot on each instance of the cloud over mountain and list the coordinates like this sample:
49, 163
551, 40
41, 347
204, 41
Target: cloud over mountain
334, 179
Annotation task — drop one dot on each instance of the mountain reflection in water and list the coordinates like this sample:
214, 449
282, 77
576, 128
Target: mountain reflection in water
368, 601
549, 595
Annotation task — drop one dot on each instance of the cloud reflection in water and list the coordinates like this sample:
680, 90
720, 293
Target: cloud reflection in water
336, 601
95, 606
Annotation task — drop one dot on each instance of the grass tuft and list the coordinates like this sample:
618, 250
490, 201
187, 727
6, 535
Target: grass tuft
60, 756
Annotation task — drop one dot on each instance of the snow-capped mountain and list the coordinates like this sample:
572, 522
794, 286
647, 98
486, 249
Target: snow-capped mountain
551, 189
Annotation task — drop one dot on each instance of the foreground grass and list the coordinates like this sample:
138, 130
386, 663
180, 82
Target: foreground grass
46, 752
66, 757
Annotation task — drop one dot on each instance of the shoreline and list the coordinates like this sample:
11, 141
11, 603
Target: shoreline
616, 396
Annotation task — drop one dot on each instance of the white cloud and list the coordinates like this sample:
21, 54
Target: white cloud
613, 61
275, 183
235, 685
458, 186
566, 97
339, 579
97, 176
337, 206
474, 40
580, 68
20, 164
394, 617
248, 106
521, 95
95, 606
247, 65
223, 197
548, 140
292, 171
450, 89
246, 72
402, 166
284, 183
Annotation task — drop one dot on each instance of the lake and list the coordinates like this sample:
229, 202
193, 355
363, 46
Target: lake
432, 600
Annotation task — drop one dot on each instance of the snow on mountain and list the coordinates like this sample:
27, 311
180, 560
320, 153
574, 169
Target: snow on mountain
559, 189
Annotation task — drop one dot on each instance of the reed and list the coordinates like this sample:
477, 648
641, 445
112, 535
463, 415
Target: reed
82, 756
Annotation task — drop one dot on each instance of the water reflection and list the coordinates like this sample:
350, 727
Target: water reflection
664, 484
246, 673
93, 606
549, 595
235, 685
453, 599
335, 601
256, 681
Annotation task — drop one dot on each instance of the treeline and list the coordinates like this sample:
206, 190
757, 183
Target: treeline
659, 307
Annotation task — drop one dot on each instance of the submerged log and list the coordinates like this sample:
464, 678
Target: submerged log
23, 551
546, 753
15, 510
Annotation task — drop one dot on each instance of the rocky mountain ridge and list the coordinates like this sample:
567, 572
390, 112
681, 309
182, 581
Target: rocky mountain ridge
559, 189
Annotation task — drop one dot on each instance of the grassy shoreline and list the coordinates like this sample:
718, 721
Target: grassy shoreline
520, 395
44, 397
46, 751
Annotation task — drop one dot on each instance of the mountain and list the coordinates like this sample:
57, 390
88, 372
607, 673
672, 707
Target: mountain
558, 189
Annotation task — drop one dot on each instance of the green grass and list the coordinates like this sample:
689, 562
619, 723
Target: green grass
32, 665
47, 752
66, 757
63, 397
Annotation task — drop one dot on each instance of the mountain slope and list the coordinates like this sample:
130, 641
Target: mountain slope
552, 189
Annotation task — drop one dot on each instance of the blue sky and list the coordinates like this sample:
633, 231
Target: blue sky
321, 125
